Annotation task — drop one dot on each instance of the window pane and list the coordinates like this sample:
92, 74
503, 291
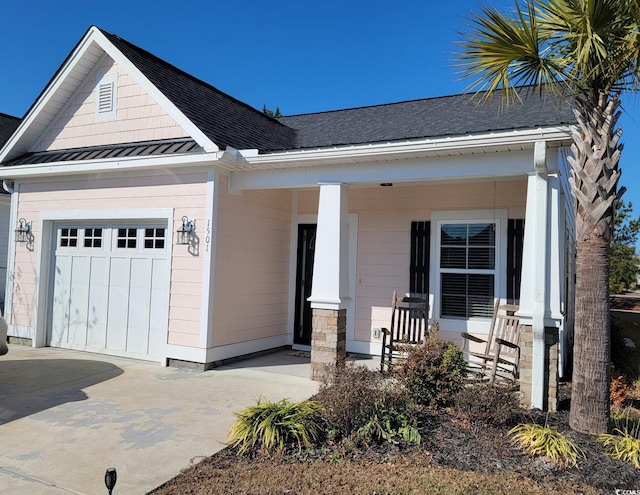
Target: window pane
480, 307
453, 257
482, 258
454, 234
482, 234
454, 306
466, 295
480, 285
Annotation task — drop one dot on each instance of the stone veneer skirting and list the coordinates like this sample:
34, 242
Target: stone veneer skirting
328, 341
551, 367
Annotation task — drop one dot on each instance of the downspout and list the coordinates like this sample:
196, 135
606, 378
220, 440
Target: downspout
540, 279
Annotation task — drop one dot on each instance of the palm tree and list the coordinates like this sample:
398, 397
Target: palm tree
588, 50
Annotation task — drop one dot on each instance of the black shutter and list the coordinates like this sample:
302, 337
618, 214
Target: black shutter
419, 268
515, 233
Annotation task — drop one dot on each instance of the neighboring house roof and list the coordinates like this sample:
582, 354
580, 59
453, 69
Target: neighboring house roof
8, 125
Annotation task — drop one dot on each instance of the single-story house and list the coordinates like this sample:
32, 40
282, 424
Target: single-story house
165, 220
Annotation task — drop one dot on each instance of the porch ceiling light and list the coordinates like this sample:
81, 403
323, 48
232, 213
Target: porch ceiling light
23, 230
186, 231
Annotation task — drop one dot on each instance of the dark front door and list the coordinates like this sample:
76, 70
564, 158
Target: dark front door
304, 275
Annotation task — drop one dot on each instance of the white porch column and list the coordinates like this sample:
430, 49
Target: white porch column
331, 263
535, 268
330, 290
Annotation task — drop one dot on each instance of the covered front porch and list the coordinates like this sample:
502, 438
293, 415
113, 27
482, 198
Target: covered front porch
367, 220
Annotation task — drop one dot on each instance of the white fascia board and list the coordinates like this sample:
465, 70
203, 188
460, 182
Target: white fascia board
454, 145
48, 93
116, 164
494, 165
166, 104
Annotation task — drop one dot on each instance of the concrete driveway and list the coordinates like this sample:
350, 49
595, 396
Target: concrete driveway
66, 416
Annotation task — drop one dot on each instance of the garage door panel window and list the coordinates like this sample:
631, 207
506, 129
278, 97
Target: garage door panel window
93, 238
68, 237
127, 238
154, 238
467, 269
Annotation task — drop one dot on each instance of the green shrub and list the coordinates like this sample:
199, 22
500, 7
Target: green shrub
358, 397
274, 425
433, 373
542, 440
388, 424
484, 404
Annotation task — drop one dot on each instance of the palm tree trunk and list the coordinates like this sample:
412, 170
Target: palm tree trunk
591, 347
594, 180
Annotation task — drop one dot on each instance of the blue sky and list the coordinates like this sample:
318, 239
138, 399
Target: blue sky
301, 56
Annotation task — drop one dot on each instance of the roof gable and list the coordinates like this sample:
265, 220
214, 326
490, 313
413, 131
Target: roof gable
134, 116
72, 74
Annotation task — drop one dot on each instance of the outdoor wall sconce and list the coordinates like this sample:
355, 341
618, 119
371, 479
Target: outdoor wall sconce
23, 230
186, 231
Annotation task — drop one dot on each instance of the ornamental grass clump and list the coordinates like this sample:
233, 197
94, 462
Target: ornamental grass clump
275, 425
624, 443
621, 445
542, 440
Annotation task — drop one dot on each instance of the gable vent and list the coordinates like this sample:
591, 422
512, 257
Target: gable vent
106, 97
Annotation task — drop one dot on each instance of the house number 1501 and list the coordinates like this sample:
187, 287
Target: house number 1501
207, 238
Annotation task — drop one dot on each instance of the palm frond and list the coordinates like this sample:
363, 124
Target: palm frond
591, 46
501, 52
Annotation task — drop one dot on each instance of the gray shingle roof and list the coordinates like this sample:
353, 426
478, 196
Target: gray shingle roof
8, 125
229, 122
223, 119
429, 118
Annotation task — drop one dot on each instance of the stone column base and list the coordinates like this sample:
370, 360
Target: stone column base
551, 339
328, 342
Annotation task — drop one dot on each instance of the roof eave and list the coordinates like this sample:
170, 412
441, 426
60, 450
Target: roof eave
81, 167
420, 148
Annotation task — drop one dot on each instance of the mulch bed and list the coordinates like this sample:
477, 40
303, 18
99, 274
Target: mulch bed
475, 450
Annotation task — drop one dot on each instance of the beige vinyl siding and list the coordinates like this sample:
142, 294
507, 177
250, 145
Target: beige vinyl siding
185, 192
138, 116
252, 265
384, 234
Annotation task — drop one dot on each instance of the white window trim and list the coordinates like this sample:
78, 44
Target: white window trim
500, 218
109, 81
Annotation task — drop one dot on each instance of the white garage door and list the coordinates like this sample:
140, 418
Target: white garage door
111, 291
